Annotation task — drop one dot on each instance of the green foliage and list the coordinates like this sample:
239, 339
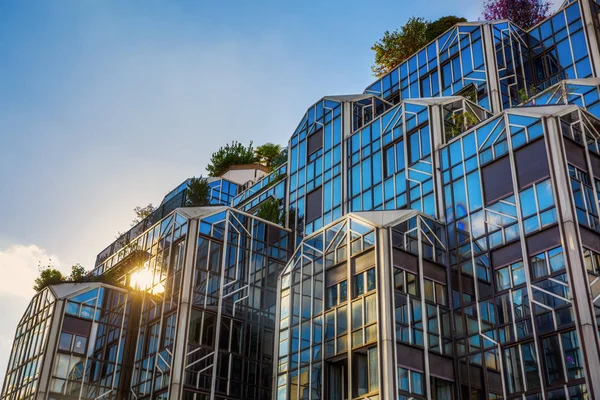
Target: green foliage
142, 213
525, 94
471, 94
281, 159
51, 276
439, 26
48, 276
77, 273
197, 192
460, 122
231, 154
270, 210
267, 153
395, 47
275, 180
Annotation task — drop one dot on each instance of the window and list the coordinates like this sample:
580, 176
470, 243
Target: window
435, 292
592, 261
521, 361
364, 282
547, 263
80, 345
72, 343
337, 388
315, 142
364, 320
410, 381
572, 356
510, 276
406, 282
65, 341
314, 205
537, 206
394, 159
336, 294
583, 195
552, 356
409, 320
365, 372
202, 327
560, 358
441, 389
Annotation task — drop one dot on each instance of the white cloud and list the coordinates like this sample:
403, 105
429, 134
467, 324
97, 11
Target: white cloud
19, 267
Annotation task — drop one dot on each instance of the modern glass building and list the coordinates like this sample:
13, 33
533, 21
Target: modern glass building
205, 325
438, 237
72, 343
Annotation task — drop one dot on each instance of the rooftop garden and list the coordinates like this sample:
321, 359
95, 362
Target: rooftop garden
268, 155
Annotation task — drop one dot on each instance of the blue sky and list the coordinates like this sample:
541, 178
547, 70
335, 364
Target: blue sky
105, 105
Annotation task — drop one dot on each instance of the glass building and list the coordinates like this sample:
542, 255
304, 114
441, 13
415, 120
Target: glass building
205, 325
72, 343
438, 238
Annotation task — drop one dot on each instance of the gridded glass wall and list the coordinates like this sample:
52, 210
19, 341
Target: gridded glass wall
161, 276
512, 56
390, 160
222, 192
230, 340
581, 134
586, 96
315, 168
29, 348
452, 64
422, 319
559, 49
270, 185
390, 164
328, 329
512, 296
89, 358
83, 356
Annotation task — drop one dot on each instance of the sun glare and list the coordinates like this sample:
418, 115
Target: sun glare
141, 279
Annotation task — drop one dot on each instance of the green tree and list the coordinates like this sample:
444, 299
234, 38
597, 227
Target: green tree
267, 153
48, 276
281, 159
228, 155
395, 47
441, 25
459, 123
78, 273
198, 192
142, 213
270, 210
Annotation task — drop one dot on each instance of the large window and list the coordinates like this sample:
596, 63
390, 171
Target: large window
410, 382
583, 195
365, 372
521, 368
336, 294
561, 353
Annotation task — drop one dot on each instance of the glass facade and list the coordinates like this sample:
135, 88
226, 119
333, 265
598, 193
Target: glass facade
333, 296
271, 186
206, 320
71, 343
440, 240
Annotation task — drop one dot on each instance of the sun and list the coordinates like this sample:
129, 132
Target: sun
141, 279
